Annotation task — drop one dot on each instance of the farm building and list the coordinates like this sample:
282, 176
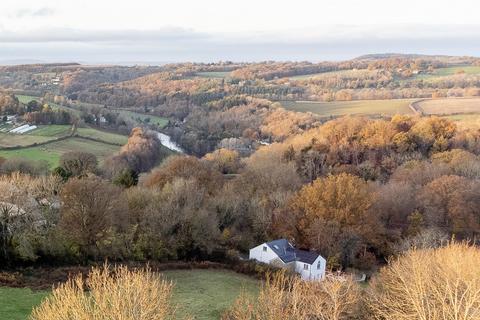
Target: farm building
280, 253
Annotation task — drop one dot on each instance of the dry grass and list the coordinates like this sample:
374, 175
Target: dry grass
358, 107
107, 294
449, 105
289, 298
430, 284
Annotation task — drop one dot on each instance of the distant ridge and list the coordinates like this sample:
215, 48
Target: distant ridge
67, 64
379, 56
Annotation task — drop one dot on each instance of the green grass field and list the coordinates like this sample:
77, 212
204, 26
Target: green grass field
442, 72
141, 118
138, 118
207, 293
26, 99
16, 304
53, 151
202, 293
214, 74
53, 130
12, 140
102, 135
39, 135
337, 108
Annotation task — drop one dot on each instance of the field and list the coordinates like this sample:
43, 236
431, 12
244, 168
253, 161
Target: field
203, 293
16, 304
213, 74
138, 118
26, 99
102, 135
39, 135
54, 130
466, 121
337, 108
12, 140
144, 118
52, 152
442, 72
206, 293
449, 106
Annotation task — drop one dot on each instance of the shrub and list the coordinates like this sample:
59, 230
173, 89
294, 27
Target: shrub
432, 284
285, 297
110, 294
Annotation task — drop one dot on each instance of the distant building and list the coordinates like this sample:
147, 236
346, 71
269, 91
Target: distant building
280, 253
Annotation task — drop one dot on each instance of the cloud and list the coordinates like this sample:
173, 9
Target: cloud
88, 36
33, 13
172, 44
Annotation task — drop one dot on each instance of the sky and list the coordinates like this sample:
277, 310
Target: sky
156, 31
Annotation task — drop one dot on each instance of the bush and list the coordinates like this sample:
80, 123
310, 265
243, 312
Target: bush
110, 294
285, 297
433, 284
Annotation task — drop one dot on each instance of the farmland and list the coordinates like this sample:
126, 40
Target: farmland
140, 118
53, 151
102, 135
213, 74
449, 106
26, 99
337, 108
343, 73
203, 293
40, 135
137, 117
466, 121
443, 72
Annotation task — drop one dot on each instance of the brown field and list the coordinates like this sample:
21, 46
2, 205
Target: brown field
466, 121
449, 106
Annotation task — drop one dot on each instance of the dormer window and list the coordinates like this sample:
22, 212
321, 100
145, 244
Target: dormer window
264, 248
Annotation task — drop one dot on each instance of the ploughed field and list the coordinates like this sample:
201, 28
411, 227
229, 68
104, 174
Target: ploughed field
449, 106
202, 293
358, 107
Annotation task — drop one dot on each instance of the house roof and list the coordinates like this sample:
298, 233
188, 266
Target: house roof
287, 253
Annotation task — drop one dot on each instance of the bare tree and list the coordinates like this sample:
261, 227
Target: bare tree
285, 297
110, 294
429, 284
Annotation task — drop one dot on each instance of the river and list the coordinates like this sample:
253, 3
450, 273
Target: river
167, 142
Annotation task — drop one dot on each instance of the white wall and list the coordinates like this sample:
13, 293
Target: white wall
313, 272
258, 254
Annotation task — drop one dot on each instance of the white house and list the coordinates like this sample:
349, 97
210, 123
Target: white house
280, 253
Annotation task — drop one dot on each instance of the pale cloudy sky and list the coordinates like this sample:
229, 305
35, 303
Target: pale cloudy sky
112, 31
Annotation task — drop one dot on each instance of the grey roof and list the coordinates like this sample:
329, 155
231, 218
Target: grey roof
287, 253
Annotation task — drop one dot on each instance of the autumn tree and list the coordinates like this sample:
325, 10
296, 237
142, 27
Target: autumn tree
141, 153
91, 208
452, 203
78, 163
186, 167
333, 216
432, 284
224, 160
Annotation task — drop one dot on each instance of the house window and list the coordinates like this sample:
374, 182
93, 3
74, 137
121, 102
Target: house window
319, 265
264, 248
305, 266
